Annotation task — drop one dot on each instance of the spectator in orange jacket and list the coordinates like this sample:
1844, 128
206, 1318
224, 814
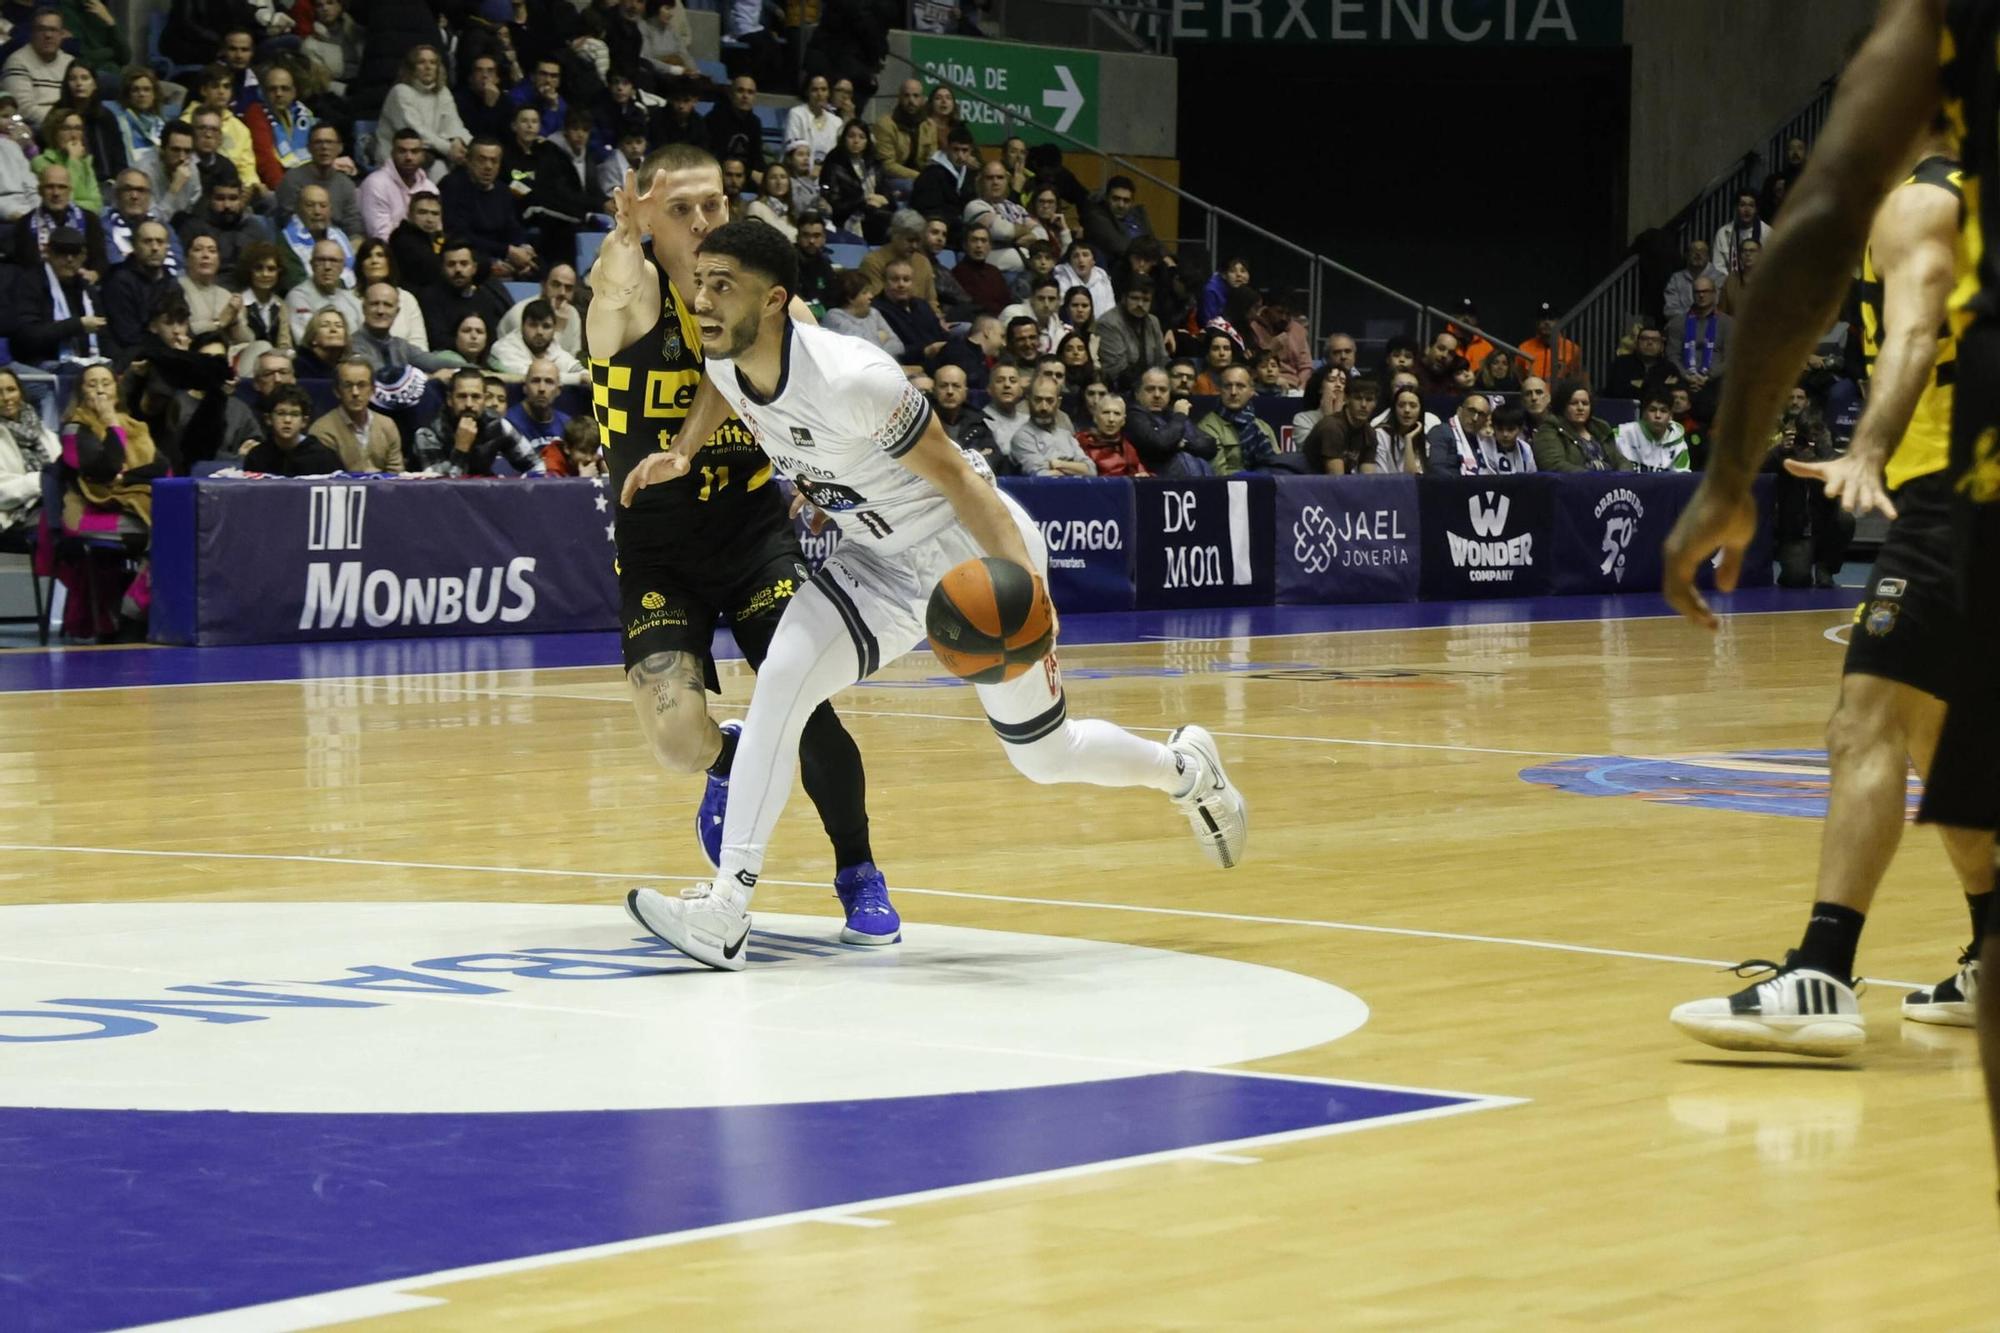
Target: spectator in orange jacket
1465, 328
1550, 356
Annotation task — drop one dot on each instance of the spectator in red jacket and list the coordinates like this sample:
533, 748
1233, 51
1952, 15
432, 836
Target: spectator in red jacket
1105, 441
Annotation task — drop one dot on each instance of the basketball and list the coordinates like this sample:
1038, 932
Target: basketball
989, 620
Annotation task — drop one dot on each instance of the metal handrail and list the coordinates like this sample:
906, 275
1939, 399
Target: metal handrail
1214, 212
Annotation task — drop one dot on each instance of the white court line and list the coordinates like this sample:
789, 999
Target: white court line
1244, 918
837, 1220
1142, 641
388, 1297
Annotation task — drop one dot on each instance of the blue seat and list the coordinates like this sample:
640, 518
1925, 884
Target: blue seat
846, 256
522, 291
587, 245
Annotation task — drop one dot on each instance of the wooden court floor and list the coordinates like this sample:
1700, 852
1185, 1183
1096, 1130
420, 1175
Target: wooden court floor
1509, 939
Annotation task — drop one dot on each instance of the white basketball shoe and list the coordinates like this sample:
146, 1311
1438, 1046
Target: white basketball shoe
1797, 1010
1214, 807
1950, 1001
711, 928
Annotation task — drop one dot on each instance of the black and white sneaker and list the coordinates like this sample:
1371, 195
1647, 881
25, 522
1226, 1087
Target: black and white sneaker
1950, 1002
1797, 1010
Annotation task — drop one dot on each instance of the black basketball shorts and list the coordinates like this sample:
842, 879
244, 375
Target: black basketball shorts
1909, 628
672, 590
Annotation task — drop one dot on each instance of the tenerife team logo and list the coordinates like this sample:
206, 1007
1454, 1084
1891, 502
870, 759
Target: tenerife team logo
1314, 540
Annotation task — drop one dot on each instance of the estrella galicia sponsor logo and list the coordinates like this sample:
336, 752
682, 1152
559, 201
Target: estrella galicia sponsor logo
1621, 511
1489, 553
334, 518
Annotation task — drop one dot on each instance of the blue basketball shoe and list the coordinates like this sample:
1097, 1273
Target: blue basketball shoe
708, 817
864, 896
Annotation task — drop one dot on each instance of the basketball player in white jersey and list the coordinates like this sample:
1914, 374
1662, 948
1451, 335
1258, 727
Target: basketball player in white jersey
838, 416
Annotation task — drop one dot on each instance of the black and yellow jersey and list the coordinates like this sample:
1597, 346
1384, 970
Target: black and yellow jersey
1969, 60
641, 396
1926, 443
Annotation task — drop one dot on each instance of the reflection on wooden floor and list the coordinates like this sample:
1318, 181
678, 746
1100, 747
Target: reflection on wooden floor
1647, 1182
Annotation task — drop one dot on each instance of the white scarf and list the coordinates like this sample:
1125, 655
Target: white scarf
59, 311
1481, 455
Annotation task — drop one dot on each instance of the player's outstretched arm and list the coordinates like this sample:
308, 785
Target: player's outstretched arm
624, 288
1915, 242
941, 463
1887, 97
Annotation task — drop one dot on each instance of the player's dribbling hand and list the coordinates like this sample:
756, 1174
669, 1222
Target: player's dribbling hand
1856, 482
652, 471
815, 516
1712, 521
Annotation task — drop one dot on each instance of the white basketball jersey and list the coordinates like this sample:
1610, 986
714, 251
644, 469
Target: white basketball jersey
841, 416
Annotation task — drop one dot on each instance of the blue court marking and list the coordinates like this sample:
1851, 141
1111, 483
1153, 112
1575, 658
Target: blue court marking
106, 668
1757, 782
112, 1218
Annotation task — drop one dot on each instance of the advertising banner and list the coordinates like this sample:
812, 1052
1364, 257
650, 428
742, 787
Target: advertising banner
1347, 539
1486, 536
1088, 525
1204, 542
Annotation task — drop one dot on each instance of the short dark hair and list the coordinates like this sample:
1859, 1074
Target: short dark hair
1120, 183
672, 157
1364, 386
174, 127
486, 141
960, 135
538, 310
758, 248
409, 132
215, 74
579, 115
1048, 282
1656, 394
1146, 247
288, 393
1509, 416
848, 284
476, 376
1017, 322
452, 243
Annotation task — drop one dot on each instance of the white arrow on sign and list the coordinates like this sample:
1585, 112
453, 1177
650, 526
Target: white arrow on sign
1067, 99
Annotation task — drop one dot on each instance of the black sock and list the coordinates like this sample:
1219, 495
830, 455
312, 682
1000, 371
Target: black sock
1833, 933
727, 757
830, 769
1981, 907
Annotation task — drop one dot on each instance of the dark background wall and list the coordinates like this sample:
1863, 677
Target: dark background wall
1442, 172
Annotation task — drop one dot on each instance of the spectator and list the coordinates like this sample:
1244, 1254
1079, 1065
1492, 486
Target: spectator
289, 450
515, 354
1157, 425
851, 186
66, 152
536, 416
1080, 269
18, 186
109, 491
816, 270
1472, 345
910, 318
1534, 405
1645, 369
1549, 354
132, 289
1215, 292
139, 113
1130, 341
1183, 376
1510, 437
580, 452
626, 156
1219, 353
1114, 220
1704, 337
1045, 444
542, 90
176, 178
225, 219
1399, 356
471, 346
1811, 530
365, 440
1573, 438
1343, 442
206, 419
565, 194
422, 101
132, 194
234, 51
326, 285
466, 436
1079, 317
811, 122
1106, 444
1326, 390
1439, 364
1024, 344
1010, 226
479, 208
943, 110
773, 204
374, 264
1730, 299
1472, 444
325, 152
280, 126
1005, 414
906, 139
1497, 374
1267, 375
212, 308
906, 238
215, 85
1342, 352
947, 184
1044, 311
259, 271
417, 243
665, 41
965, 425
483, 107
1679, 293
1655, 442
1045, 206
678, 121
805, 187
984, 285
1244, 441
334, 44
854, 313
63, 314
733, 127
1079, 370
326, 340
102, 142
390, 354
314, 227
1400, 437
1276, 329
210, 163
27, 446
1744, 226
34, 73
559, 290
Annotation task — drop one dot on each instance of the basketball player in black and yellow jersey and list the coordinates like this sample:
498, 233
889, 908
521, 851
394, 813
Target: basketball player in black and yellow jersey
1923, 58
704, 540
1907, 635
